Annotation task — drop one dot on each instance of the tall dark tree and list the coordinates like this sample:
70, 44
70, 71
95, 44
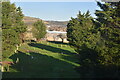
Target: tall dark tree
84, 38
109, 19
81, 33
12, 27
97, 41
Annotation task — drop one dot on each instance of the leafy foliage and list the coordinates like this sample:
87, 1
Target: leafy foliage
39, 30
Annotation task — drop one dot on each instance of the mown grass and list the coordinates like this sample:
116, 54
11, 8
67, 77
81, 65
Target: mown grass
44, 60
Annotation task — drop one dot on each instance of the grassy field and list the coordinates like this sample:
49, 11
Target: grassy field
44, 60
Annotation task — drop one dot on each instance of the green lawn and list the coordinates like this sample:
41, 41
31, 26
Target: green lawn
44, 60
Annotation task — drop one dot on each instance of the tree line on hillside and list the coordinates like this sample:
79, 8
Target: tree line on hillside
63, 23
57, 28
97, 40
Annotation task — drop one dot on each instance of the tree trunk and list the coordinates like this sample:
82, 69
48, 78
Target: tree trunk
2, 68
62, 40
8, 69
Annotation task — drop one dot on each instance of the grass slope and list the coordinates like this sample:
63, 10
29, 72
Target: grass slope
44, 60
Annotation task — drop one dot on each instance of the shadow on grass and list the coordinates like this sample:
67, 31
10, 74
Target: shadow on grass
50, 48
99, 71
90, 67
36, 65
58, 42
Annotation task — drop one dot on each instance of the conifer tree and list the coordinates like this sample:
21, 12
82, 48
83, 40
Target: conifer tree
109, 19
97, 41
12, 27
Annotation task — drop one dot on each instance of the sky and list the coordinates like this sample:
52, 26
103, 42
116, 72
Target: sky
57, 11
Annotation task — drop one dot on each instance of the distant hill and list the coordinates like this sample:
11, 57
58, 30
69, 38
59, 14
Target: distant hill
30, 20
53, 25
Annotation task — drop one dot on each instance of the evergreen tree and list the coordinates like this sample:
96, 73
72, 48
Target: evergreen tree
12, 27
109, 19
97, 41
82, 35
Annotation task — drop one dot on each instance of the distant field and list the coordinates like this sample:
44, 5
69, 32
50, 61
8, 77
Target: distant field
44, 60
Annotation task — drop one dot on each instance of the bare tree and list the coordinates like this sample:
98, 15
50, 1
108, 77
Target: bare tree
54, 37
62, 36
